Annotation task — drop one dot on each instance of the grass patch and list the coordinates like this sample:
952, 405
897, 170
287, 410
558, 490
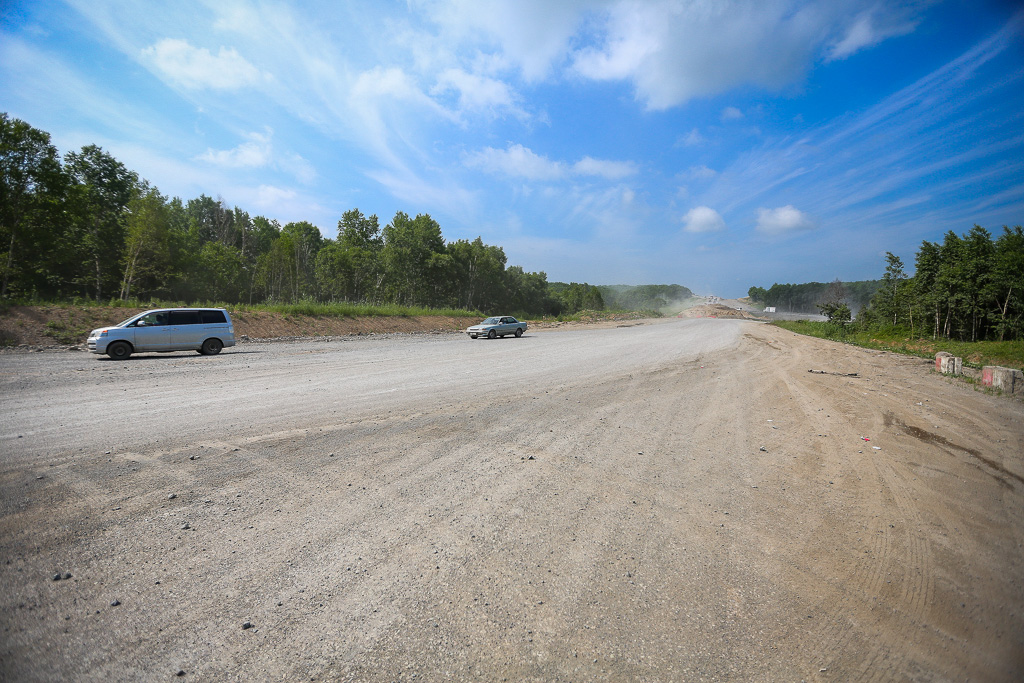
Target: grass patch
600, 316
340, 309
1008, 354
351, 310
68, 331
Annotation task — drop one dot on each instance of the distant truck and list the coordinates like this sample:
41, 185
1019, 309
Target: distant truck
769, 309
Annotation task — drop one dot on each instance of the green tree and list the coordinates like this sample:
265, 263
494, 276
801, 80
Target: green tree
334, 272
102, 191
408, 247
976, 274
479, 273
361, 242
147, 256
888, 300
924, 286
758, 294
32, 193
1006, 288
219, 272
306, 241
582, 297
214, 222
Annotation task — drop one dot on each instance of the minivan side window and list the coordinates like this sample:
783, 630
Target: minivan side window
184, 318
212, 316
152, 319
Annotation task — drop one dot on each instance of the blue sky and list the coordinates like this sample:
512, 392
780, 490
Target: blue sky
717, 144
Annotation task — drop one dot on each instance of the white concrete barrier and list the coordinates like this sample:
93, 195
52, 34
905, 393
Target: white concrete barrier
1009, 380
948, 364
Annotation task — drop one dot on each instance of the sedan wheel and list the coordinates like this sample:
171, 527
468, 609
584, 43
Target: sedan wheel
491, 335
519, 333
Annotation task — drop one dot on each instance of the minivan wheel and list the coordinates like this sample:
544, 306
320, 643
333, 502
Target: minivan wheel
119, 351
211, 347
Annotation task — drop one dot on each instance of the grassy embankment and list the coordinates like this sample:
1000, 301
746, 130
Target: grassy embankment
1008, 354
70, 322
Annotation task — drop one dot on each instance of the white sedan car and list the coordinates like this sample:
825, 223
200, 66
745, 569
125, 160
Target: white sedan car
497, 326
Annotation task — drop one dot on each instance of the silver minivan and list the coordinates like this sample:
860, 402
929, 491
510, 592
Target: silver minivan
206, 330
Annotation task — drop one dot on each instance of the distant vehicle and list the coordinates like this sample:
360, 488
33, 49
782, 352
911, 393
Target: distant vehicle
206, 330
497, 326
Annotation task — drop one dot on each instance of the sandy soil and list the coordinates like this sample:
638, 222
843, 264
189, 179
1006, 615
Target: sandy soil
670, 501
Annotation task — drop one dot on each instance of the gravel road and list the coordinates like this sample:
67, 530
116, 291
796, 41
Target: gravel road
679, 500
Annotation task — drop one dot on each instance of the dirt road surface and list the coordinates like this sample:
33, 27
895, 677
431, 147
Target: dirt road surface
676, 501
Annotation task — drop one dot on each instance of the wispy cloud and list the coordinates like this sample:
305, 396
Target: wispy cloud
477, 93
612, 170
258, 151
861, 169
870, 28
194, 67
731, 114
517, 161
254, 153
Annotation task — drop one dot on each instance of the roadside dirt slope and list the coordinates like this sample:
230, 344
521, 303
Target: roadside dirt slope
673, 501
46, 326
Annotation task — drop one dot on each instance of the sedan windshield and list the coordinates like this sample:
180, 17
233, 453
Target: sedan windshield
491, 321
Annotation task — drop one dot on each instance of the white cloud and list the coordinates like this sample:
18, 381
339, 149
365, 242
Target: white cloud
702, 172
516, 161
675, 51
612, 170
784, 219
252, 154
731, 114
258, 152
198, 68
866, 31
530, 35
692, 139
475, 92
703, 219
521, 162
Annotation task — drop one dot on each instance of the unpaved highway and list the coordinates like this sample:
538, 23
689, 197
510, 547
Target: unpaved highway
676, 501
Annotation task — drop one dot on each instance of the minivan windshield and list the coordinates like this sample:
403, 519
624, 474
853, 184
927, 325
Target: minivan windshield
126, 321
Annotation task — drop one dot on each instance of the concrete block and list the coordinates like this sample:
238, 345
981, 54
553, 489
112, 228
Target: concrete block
948, 364
1009, 380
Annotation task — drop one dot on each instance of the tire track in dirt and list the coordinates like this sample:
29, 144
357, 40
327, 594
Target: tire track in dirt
648, 538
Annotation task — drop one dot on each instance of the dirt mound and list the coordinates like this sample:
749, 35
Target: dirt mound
50, 326
716, 311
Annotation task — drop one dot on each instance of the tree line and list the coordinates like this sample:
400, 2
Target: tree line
805, 298
970, 287
645, 297
85, 226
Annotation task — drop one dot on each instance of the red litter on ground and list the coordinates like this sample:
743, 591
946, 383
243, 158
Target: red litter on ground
864, 438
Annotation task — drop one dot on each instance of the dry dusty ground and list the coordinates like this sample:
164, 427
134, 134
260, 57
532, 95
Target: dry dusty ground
664, 502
